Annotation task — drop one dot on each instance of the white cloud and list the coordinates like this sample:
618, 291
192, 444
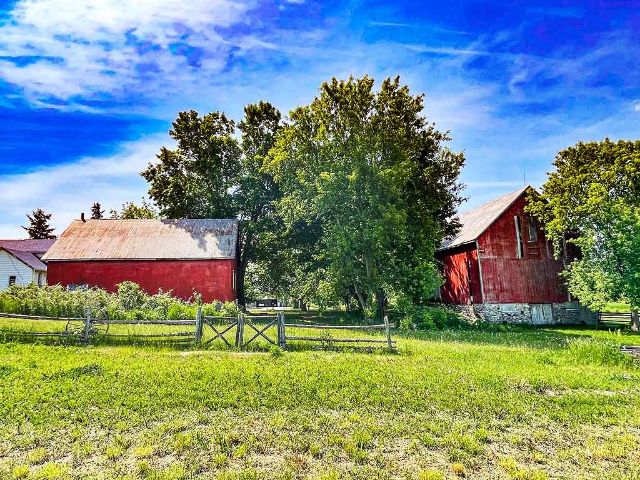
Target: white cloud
94, 48
68, 189
636, 105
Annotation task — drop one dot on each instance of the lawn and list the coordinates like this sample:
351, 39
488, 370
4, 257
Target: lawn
518, 404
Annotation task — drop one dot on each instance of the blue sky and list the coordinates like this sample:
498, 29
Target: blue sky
88, 88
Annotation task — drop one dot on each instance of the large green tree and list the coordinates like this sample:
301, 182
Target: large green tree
594, 195
378, 179
39, 227
211, 174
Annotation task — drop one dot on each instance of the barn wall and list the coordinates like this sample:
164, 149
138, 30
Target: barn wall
509, 279
212, 278
460, 265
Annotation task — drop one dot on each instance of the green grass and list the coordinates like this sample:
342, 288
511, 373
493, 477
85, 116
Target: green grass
617, 307
519, 404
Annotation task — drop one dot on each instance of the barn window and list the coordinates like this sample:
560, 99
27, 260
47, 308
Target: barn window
12, 280
520, 246
533, 229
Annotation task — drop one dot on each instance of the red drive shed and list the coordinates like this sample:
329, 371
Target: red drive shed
502, 265
184, 256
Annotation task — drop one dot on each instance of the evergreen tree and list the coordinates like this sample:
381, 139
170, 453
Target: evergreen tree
96, 212
39, 227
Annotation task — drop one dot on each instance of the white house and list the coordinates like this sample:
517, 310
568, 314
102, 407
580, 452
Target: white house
20, 262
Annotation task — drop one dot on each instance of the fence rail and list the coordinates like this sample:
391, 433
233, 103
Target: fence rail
246, 329
614, 319
328, 340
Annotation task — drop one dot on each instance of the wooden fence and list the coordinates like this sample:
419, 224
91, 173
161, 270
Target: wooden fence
613, 320
330, 341
238, 332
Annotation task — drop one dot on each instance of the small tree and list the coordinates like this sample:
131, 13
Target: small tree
39, 227
96, 212
132, 211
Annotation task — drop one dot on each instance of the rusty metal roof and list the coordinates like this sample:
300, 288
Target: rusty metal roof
477, 220
146, 240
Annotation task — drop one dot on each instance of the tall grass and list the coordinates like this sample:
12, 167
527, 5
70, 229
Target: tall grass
130, 302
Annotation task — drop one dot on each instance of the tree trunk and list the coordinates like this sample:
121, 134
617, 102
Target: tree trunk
381, 297
361, 299
242, 300
243, 248
635, 321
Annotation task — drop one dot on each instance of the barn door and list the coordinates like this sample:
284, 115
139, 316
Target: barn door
541, 314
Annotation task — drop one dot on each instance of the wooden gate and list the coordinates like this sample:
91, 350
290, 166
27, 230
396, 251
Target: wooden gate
249, 323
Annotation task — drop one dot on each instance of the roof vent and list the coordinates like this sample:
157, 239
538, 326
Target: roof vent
82, 217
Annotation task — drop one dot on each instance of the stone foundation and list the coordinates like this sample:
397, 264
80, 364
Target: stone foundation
567, 313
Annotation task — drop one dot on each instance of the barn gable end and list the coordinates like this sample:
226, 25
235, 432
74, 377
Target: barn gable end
502, 265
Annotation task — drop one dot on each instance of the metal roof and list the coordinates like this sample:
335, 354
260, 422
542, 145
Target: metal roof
33, 246
27, 251
28, 258
477, 220
146, 240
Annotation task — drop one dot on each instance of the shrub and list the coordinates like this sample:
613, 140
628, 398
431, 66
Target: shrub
129, 303
430, 318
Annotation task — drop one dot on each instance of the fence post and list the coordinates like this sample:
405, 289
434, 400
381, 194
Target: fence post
240, 330
387, 330
199, 325
87, 327
282, 337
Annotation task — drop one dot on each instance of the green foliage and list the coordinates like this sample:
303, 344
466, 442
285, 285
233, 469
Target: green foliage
39, 227
429, 318
131, 211
594, 196
376, 183
131, 302
213, 175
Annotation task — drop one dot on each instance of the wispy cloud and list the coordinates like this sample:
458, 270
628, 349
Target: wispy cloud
64, 50
443, 50
68, 189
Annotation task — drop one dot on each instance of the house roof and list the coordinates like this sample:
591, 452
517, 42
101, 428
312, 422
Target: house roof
28, 251
27, 258
477, 220
146, 240
33, 246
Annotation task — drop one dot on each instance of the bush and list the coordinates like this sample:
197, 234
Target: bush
430, 318
129, 303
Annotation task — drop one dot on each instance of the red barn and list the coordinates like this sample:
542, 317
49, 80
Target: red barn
502, 265
178, 255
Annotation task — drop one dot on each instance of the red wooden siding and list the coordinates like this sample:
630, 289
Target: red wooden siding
212, 278
460, 269
509, 279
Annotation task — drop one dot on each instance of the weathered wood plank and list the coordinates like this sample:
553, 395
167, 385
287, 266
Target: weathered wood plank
333, 340
40, 317
336, 327
143, 322
149, 335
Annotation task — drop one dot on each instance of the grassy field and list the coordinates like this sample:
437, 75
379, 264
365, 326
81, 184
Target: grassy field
617, 307
515, 404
